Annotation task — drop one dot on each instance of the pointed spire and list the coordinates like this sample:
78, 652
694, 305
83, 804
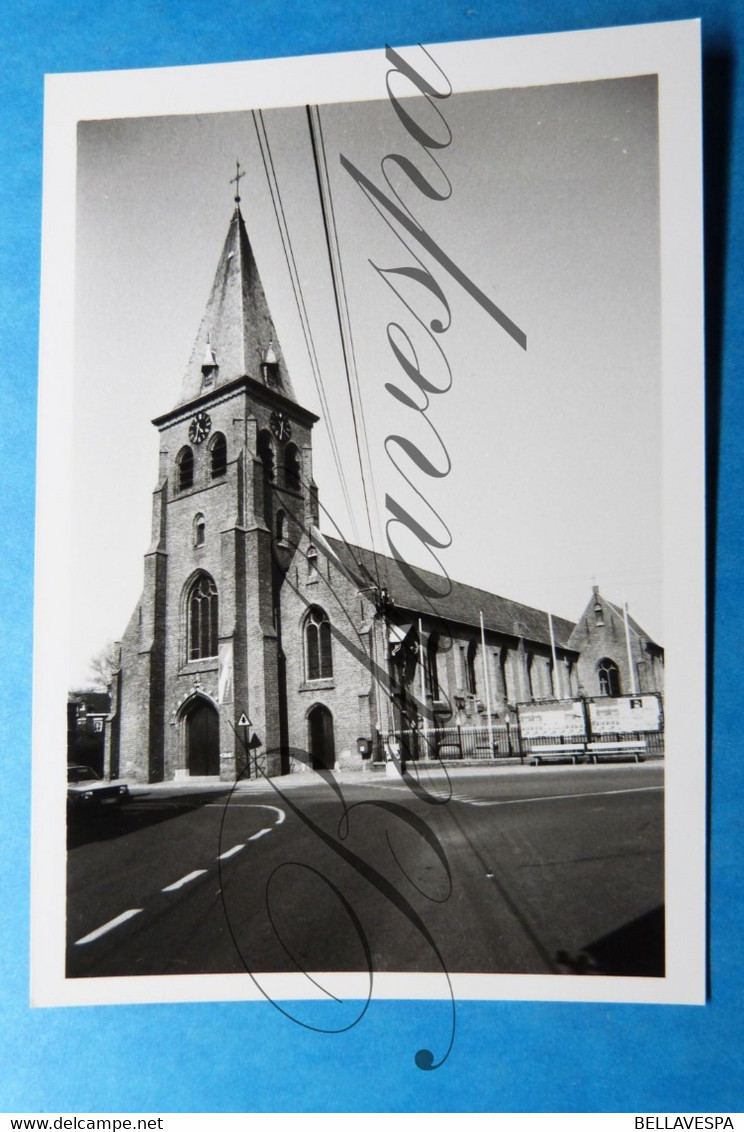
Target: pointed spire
237, 334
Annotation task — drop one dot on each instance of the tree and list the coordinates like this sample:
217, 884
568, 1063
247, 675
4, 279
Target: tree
104, 664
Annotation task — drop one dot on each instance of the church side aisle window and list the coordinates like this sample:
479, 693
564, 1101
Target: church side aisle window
318, 659
507, 675
471, 675
432, 666
185, 463
202, 619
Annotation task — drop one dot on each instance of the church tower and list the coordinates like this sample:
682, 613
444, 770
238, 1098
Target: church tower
234, 494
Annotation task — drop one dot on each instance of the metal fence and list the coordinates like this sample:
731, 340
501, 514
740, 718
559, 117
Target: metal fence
502, 741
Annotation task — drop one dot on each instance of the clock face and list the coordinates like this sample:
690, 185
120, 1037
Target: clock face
199, 428
280, 425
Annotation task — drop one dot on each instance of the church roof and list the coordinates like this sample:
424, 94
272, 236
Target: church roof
237, 334
617, 610
632, 624
455, 602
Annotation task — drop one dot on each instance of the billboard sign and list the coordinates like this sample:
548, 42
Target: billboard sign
625, 713
559, 718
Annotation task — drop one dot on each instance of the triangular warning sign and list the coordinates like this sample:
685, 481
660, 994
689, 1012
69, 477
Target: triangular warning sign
244, 721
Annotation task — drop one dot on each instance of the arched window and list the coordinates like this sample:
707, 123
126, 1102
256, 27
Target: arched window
608, 675
266, 456
318, 658
218, 456
312, 562
202, 614
200, 529
292, 468
185, 469
281, 525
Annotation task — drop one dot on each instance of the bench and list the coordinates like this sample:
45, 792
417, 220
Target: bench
557, 751
622, 750
449, 751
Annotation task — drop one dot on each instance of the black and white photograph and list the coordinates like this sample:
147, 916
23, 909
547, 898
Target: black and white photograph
373, 531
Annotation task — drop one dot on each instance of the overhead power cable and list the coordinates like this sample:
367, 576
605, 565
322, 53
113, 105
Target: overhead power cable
344, 322
276, 200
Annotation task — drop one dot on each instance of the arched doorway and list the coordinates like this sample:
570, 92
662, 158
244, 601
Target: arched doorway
203, 739
320, 738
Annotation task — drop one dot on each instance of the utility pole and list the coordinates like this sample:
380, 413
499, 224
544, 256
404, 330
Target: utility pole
556, 673
631, 666
487, 683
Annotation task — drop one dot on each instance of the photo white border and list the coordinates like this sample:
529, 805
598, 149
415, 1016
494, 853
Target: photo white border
671, 50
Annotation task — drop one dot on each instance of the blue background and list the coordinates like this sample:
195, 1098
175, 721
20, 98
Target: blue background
507, 1057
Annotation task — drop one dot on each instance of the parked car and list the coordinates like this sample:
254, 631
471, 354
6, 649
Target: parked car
87, 793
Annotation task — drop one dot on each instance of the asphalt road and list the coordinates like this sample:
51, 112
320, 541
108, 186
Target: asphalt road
541, 870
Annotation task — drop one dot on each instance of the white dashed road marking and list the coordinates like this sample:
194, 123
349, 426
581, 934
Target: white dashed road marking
122, 919
108, 926
184, 880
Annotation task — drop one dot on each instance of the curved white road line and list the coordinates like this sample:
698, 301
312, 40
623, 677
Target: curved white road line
276, 809
250, 806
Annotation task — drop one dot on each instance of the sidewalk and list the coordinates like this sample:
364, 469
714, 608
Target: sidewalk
426, 771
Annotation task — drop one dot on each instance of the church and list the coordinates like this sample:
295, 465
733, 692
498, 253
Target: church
258, 637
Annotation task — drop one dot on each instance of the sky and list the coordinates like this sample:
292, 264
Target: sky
552, 453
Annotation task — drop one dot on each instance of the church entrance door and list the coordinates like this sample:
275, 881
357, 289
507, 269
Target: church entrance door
203, 739
320, 728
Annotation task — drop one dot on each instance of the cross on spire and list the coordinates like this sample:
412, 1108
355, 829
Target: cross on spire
236, 181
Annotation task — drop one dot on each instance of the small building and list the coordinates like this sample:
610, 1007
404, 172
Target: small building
87, 712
